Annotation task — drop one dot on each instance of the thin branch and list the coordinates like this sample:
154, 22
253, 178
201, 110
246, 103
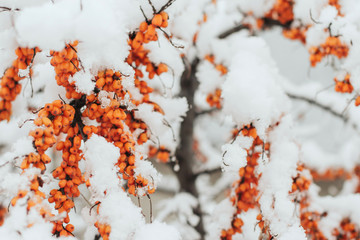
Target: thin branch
230, 31
168, 4
169, 38
208, 111
151, 210
328, 109
142, 10
312, 19
4, 9
209, 171
152, 6
319, 105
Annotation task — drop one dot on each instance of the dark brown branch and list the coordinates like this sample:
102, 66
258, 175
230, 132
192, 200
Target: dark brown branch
168, 4
152, 6
185, 153
3, 9
210, 171
208, 111
230, 31
268, 23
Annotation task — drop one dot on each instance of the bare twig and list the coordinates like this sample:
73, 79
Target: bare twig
151, 210
93, 207
27, 120
166, 123
168, 4
230, 31
317, 104
152, 6
328, 109
208, 111
142, 10
4, 9
312, 19
169, 38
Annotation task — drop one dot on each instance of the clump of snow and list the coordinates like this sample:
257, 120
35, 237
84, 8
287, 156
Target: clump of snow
119, 211
221, 218
210, 79
277, 207
101, 157
83, 82
234, 154
147, 171
257, 7
182, 204
157, 231
251, 93
303, 8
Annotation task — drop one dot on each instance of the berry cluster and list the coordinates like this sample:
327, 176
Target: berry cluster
343, 86
282, 12
66, 64
347, 230
3, 213
10, 85
300, 182
298, 33
332, 46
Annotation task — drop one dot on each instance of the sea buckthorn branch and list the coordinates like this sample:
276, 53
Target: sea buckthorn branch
245, 189
52, 120
117, 122
10, 85
328, 109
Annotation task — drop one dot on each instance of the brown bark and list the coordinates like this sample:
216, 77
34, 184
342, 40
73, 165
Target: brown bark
185, 153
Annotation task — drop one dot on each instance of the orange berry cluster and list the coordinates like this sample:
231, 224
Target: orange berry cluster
3, 212
66, 64
245, 188
214, 99
147, 33
104, 230
162, 154
9, 85
298, 33
56, 118
53, 119
332, 46
331, 174
221, 68
300, 182
308, 219
347, 231
61, 231
343, 86
282, 12
236, 225
265, 231
310, 222
357, 173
